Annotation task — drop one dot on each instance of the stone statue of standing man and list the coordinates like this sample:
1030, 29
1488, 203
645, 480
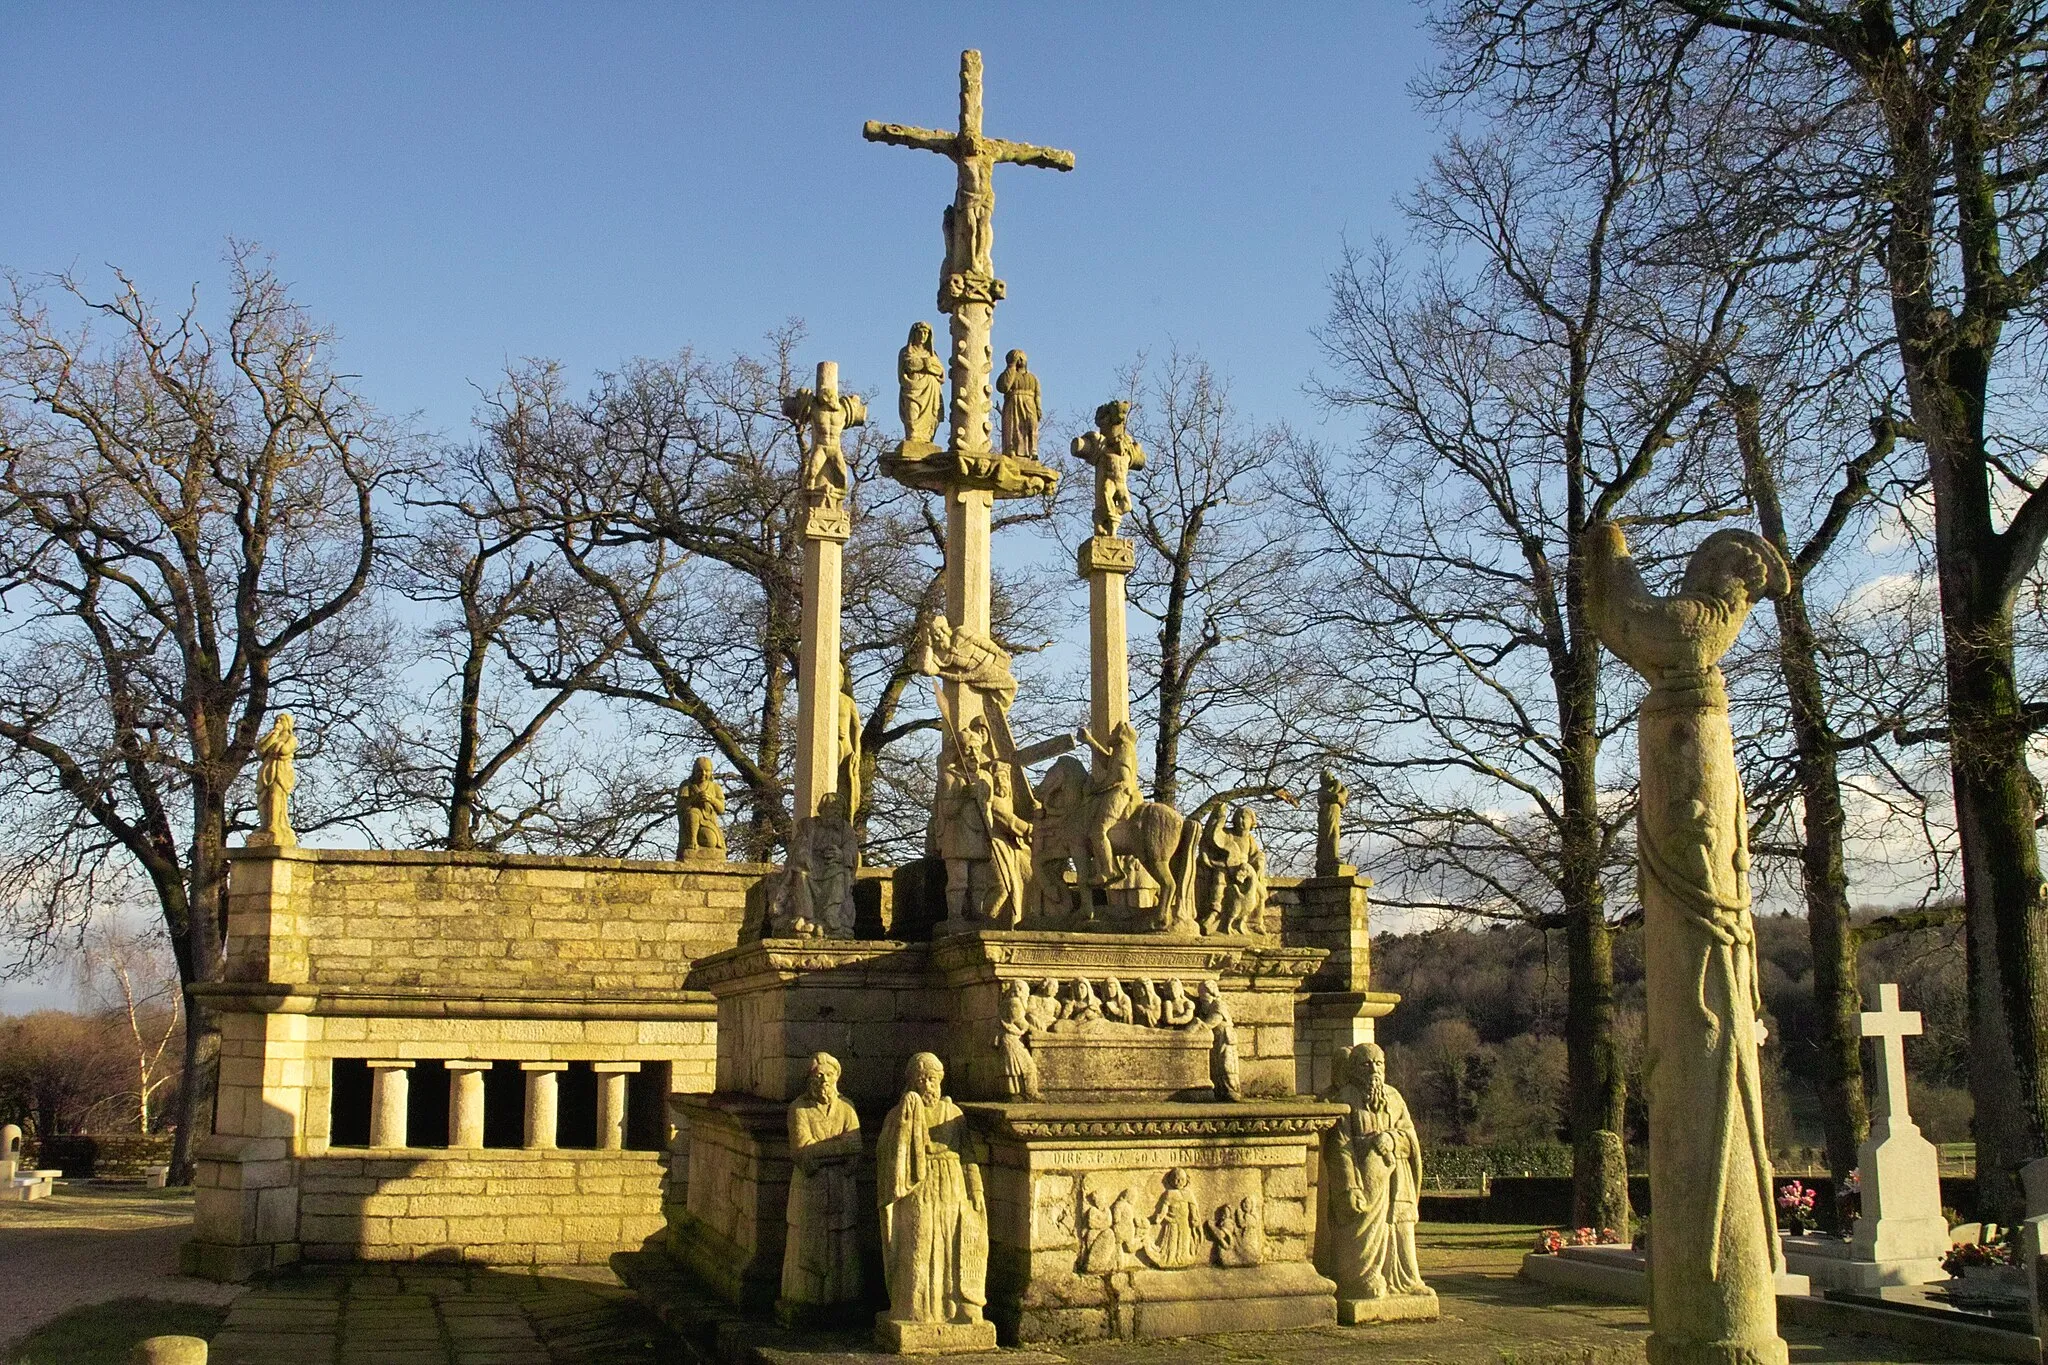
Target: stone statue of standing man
1371, 1188
934, 1221
1115, 453
1022, 408
821, 1256
1712, 1277
822, 415
1330, 800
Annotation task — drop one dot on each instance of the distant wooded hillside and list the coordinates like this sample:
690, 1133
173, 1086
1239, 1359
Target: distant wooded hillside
1477, 1044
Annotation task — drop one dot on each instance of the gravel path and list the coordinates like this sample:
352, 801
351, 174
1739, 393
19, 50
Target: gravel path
84, 1245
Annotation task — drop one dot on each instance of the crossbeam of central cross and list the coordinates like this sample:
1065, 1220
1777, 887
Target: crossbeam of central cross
975, 155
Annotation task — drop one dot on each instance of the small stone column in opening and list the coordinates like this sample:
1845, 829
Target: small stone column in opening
611, 1102
543, 1101
390, 1094
466, 1103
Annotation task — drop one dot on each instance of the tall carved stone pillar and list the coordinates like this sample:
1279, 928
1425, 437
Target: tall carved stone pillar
969, 515
1105, 562
825, 528
543, 1101
390, 1095
611, 1103
466, 1103
1714, 1245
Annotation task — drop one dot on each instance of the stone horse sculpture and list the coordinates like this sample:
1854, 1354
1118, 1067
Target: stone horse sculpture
1154, 835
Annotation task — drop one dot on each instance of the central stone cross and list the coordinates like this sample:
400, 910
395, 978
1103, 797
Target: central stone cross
1894, 1026
968, 472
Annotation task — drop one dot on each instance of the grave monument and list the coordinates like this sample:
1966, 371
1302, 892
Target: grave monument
1900, 1235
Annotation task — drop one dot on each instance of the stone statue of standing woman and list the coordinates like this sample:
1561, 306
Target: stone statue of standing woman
276, 775
920, 380
1713, 1271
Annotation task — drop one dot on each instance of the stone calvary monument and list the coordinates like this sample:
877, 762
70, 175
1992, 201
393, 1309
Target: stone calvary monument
1080, 1071
1090, 1037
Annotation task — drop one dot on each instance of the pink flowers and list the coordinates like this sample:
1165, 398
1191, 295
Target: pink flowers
1795, 1201
1794, 1197
1549, 1242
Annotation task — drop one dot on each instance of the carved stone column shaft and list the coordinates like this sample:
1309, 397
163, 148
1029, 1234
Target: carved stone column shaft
968, 518
390, 1096
543, 1101
611, 1103
1106, 562
466, 1103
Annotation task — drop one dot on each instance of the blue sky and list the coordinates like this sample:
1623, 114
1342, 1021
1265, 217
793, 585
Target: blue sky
452, 187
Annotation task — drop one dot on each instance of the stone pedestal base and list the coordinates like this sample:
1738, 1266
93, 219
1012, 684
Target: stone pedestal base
1833, 1264
933, 1338
730, 1232
246, 1215
1232, 1178
1390, 1308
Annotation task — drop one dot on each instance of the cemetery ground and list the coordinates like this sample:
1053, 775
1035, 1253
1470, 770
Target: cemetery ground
90, 1271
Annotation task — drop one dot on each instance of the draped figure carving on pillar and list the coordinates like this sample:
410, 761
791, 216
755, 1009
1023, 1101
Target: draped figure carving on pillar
1712, 1273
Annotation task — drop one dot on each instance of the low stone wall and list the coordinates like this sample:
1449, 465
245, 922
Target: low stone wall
500, 922
99, 1156
492, 1207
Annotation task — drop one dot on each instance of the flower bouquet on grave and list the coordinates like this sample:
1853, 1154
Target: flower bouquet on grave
1585, 1237
1795, 1202
1976, 1256
1549, 1242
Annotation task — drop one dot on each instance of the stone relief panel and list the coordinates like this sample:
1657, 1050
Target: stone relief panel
1188, 1218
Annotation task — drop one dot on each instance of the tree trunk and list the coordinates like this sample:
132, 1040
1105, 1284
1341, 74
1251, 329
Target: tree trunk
1597, 1088
1947, 359
2006, 921
1838, 1000
1166, 744
767, 825
204, 916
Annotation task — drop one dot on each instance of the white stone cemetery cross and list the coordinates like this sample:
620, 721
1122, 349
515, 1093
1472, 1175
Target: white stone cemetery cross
1893, 1026
1901, 1226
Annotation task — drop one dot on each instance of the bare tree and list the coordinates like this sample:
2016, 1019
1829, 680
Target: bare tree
1910, 142
669, 498
188, 518
1533, 378
131, 976
56, 1068
480, 750
1214, 569
1833, 488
